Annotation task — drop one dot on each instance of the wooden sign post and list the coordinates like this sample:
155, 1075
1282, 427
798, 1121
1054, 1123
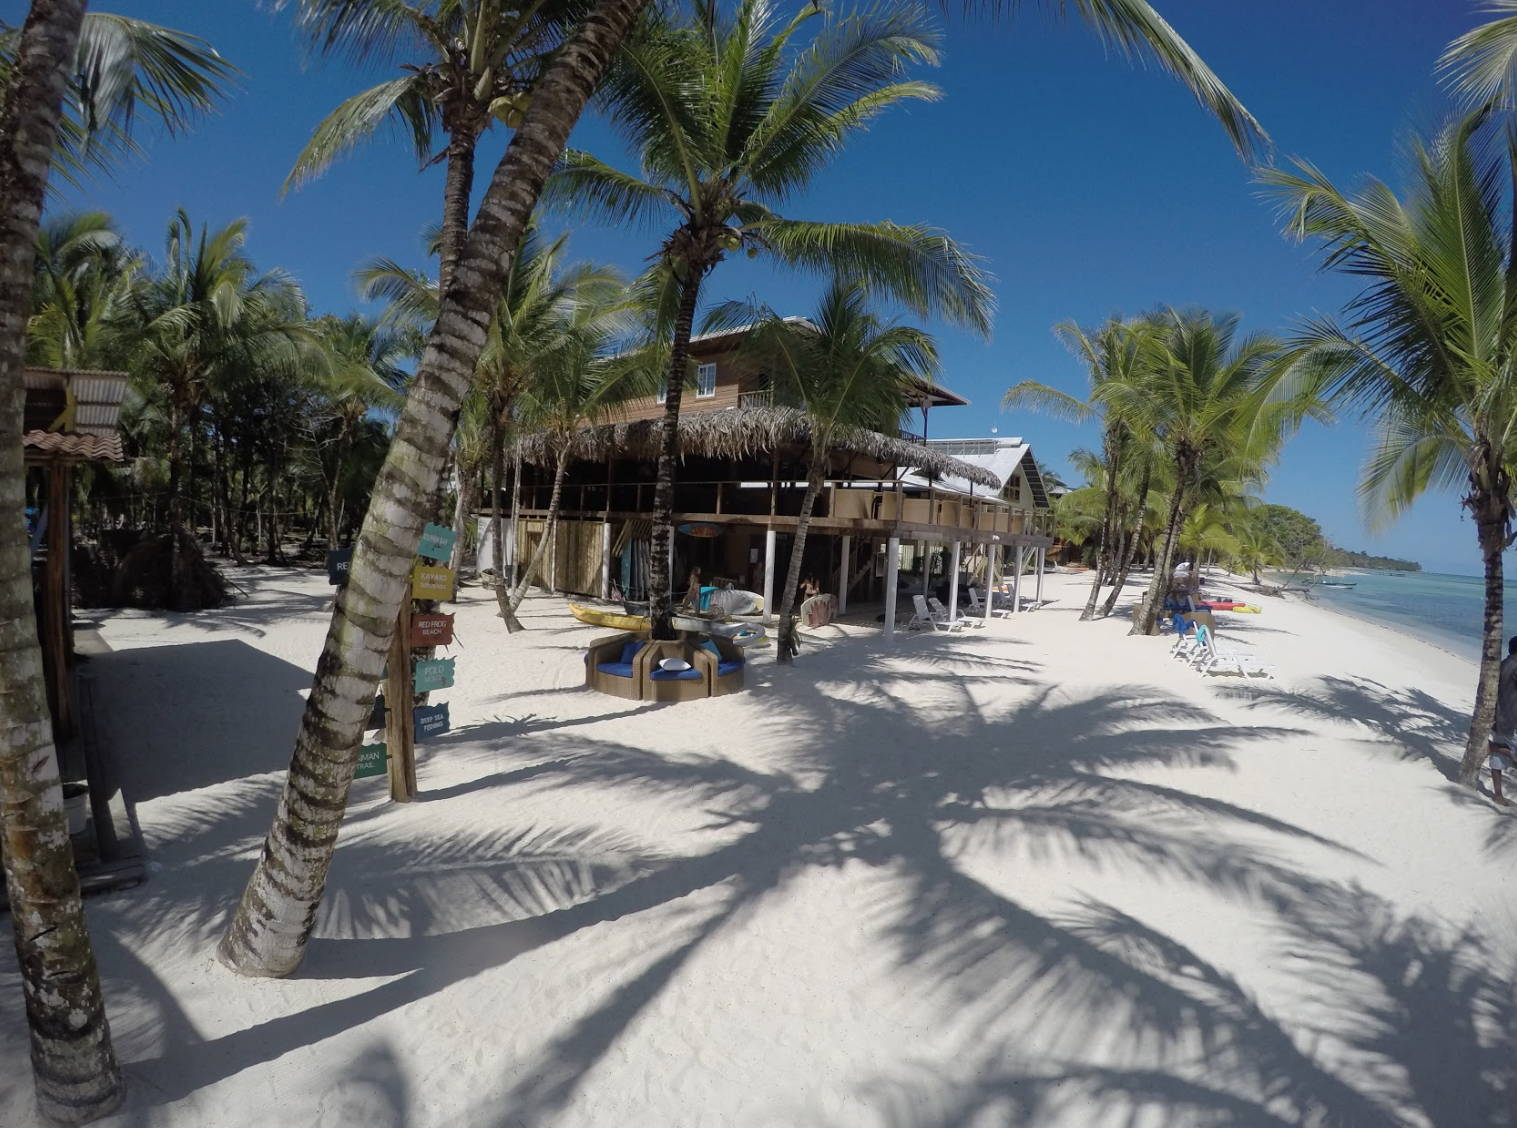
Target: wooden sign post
398, 693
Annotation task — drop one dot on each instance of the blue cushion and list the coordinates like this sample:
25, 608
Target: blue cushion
676, 675
710, 646
616, 669
629, 651
729, 667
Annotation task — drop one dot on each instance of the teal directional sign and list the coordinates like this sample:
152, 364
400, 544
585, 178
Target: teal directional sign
436, 542
371, 761
433, 673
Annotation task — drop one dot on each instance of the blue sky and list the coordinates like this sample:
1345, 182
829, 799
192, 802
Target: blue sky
1091, 186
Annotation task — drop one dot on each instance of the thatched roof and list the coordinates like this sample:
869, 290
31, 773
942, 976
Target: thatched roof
742, 432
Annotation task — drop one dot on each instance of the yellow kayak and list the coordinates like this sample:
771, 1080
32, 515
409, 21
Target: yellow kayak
614, 619
1250, 609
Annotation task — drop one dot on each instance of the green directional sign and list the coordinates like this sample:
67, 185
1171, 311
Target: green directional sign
433, 673
436, 542
371, 761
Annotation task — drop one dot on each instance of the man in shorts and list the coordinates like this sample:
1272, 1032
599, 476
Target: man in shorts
1503, 742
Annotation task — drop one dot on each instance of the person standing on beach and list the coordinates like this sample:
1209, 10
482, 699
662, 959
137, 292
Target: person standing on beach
1504, 732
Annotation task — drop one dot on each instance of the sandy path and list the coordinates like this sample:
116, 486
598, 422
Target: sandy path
1034, 874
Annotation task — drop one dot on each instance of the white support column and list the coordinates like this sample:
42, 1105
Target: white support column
892, 573
605, 560
769, 575
992, 551
953, 583
843, 576
1042, 558
1016, 582
922, 563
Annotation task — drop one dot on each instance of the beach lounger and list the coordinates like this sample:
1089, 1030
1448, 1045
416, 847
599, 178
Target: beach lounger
940, 614
925, 617
1212, 659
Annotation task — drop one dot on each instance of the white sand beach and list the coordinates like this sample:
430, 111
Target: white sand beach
1036, 873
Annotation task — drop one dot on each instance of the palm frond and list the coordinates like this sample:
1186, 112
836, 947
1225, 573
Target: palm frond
402, 102
921, 267
1480, 66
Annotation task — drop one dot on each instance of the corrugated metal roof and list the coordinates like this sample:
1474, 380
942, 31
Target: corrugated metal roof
75, 445
1001, 457
97, 398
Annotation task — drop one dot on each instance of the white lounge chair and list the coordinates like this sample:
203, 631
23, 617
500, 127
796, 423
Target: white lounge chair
940, 614
925, 617
1212, 659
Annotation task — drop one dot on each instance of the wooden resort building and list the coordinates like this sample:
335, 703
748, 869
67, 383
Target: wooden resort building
898, 514
70, 419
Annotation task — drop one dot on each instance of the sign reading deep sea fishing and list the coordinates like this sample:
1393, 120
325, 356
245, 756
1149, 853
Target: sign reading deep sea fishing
431, 582
430, 720
432, 673
372, 761
431, 629
436, 542
338, 561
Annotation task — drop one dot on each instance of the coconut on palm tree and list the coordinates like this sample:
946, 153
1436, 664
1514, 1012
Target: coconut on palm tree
731, 116
1429, 348
846, 370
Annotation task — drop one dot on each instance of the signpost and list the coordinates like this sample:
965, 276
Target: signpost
371, 761
430, 720
431, 629
395, 710
436, 543
338, 560
433, 673
431, 582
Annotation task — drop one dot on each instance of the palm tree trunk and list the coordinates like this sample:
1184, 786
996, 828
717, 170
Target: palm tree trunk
73, 1064
1158, 587
497, 534
457, 187
550, 532
659, 579
814, 477
268, 933
1491, 516
1132, 541
468, 499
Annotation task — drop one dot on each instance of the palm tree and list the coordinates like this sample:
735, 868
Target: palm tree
573, 381
1481, 64
732, 117
846, 370
473, 63
1208, 396
361, 372
82, 279
267, 936
1116, 352
59, 61
204, 316
1430, 346
122, 69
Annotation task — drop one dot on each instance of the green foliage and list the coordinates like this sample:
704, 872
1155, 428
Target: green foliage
1297, 538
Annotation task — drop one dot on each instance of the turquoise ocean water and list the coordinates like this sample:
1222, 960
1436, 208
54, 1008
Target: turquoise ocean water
1442, 609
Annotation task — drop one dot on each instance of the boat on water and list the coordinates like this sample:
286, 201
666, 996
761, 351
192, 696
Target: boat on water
1336, 583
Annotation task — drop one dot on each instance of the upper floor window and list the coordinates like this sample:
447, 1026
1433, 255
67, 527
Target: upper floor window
705, 381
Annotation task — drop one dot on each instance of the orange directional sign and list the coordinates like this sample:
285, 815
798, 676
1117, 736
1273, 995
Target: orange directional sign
431, 630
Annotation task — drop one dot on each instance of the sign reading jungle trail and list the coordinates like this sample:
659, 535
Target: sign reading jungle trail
436, 542
431, 629
431, 582
371, 761
338, 561
433, 673
429, 720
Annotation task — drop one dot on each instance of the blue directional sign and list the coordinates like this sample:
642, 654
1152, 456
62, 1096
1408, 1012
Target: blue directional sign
436, 542
433, 673
429, 721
